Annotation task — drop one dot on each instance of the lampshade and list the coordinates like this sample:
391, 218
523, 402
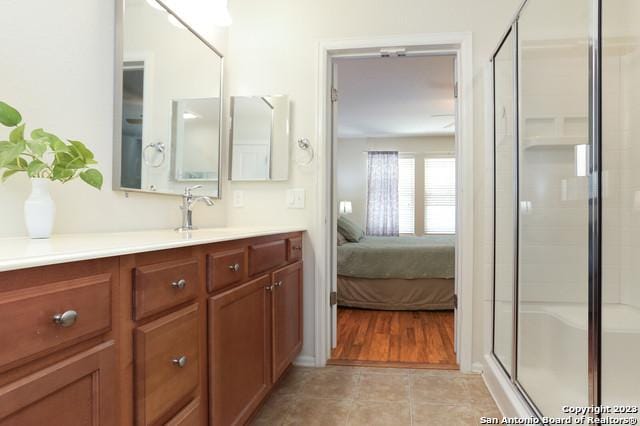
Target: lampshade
345, 207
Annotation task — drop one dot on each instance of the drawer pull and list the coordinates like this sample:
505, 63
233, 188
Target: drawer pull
66, 319
180, 362
278, 284
180, 284
296, 248
269, 287
235, 267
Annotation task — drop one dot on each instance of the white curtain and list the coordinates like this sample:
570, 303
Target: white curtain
382, 194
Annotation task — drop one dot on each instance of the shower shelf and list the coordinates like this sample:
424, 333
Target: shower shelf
554, 141
555, 131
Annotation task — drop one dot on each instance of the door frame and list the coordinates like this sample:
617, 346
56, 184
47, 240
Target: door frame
459, 44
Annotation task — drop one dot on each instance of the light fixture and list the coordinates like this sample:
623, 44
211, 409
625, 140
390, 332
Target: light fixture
345, 207
154, 4
221, 16
188, 115
175, 22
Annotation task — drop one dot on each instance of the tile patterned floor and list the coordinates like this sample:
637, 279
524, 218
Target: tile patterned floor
377, 396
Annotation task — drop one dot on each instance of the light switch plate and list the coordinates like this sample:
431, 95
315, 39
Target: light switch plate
238, 198
295, 198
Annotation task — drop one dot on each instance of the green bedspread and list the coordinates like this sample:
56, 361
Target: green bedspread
398, 257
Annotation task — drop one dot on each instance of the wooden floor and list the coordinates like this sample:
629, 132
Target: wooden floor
395, 338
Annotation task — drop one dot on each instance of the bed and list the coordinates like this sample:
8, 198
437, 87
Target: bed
397, 273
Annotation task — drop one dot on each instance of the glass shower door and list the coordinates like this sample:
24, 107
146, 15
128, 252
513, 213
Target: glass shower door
505, 182
553, 203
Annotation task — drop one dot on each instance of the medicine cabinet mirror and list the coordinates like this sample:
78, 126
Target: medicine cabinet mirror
259, 138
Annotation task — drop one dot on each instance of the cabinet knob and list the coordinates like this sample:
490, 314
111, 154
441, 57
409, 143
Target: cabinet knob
180, 284
235, 267
66, 319
269, 287
278, 284
180, 362
296, 247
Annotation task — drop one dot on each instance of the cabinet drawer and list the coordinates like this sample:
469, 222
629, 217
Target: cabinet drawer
225, 268
28, 323
188, 416
294, 249
166, 364
265, 256
161, 286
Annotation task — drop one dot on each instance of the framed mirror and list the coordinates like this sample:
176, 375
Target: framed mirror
168, 103
259, 138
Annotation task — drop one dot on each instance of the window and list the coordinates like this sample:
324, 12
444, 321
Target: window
440, 195
407, 194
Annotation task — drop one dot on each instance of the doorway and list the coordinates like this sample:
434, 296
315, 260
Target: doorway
459, 45
395, 169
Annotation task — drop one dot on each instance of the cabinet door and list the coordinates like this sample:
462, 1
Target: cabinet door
286, 317
166, 364
77, 391
239, 369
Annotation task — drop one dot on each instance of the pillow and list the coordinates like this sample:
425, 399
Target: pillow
341, 239
350, 230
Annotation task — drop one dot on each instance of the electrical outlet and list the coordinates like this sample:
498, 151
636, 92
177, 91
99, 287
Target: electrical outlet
238, 198
295, 198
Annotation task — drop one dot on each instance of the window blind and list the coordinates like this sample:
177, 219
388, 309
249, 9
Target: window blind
407, 194
440, 195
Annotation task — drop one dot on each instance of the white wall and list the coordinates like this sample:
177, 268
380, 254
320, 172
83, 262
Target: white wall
274, 49
351, 170
58, 70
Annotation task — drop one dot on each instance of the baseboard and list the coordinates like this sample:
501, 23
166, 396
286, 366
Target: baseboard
508, 399
305, 361
477, 367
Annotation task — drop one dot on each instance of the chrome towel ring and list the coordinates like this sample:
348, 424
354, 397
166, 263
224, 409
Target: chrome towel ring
305, 155
158, 147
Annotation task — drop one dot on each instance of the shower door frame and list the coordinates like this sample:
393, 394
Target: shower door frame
594, 331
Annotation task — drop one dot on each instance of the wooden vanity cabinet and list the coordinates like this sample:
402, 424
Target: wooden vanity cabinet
186, 336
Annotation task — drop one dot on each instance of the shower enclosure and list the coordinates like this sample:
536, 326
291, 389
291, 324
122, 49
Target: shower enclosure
566, 296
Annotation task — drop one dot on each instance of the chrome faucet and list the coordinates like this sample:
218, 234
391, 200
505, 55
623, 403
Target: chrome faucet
188, 201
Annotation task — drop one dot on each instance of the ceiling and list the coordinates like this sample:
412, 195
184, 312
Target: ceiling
396, 96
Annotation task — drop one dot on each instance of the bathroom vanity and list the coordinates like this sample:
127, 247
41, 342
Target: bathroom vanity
147, 328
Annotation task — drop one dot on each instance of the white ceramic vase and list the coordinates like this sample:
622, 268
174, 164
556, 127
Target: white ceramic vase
39, 209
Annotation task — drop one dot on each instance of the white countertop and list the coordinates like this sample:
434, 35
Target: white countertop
22, 252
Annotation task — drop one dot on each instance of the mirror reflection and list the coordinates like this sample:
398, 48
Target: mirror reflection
171, 105
259, 138
194, 121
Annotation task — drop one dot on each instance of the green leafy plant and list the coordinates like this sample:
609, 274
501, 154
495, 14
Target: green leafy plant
43, 155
